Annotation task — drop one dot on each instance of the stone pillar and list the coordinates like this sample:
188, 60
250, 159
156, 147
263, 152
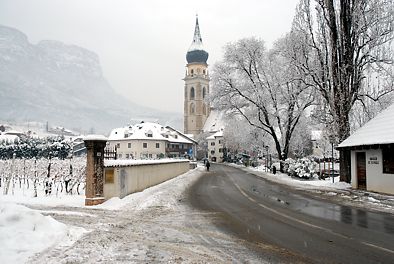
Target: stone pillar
94, 191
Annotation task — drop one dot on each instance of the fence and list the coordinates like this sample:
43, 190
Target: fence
110, 153
38, 177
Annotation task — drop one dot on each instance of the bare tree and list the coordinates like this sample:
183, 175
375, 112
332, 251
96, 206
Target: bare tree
240, 136
344, 41
263, 87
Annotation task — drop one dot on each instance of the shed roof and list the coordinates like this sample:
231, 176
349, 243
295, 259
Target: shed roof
379, 130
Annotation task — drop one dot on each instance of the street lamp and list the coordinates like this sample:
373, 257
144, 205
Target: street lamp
266, 158
332, 139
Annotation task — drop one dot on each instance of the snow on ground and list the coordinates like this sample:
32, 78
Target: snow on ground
156, 225
24, 232
27, 197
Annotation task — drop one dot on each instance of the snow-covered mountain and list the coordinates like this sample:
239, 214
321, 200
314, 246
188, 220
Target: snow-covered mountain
64, 85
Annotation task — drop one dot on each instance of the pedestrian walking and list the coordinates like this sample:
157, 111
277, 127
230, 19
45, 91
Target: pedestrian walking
207, 164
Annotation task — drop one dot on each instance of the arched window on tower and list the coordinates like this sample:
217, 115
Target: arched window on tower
192, 108
192, 93
204, 110
203, 92
191, 71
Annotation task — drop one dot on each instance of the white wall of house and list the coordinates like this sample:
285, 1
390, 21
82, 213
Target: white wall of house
377, 181
215, 149
135, 148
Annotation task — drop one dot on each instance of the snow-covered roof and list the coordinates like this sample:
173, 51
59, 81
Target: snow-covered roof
148, 131
197, 40
95, 137
217, 134
188, 137
379, 130
13, 132
215, 121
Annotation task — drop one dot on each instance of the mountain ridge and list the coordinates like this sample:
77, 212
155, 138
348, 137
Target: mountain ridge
63, 84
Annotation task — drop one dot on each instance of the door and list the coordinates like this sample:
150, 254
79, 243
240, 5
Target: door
361, 171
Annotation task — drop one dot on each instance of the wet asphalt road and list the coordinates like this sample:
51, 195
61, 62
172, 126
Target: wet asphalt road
301, 227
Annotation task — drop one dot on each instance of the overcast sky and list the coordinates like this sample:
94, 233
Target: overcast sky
142, 44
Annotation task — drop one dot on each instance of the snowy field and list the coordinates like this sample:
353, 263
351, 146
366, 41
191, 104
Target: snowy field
156, 225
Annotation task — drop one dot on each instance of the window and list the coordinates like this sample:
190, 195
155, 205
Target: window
203, 92
388, 160
212, 143
212, 152
220, 142
144, 145
204, 110
129, 145
150, 135
203, 72
220, 150
192, 71
126, 135
150, 156
118, 145
119, 156
192, 108
157, 145
192, 93
127, 156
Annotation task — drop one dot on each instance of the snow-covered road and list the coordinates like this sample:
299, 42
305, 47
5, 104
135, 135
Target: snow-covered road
156, 225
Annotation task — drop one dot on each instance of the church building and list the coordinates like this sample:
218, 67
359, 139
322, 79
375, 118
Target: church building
196, 107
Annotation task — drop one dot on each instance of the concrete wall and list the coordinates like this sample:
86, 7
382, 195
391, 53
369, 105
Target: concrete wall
123, 180
377, 181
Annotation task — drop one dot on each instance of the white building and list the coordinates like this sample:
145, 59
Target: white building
8, 138
372, 154
216, 146
150, 141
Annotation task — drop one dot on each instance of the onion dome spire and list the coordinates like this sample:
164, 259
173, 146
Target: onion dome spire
196, 52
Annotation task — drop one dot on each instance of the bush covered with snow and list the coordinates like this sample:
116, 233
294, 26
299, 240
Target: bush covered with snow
303, 168
36, 148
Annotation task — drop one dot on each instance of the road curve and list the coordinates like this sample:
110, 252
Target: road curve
296, 226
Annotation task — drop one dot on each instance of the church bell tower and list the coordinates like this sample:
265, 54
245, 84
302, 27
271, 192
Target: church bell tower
196, 107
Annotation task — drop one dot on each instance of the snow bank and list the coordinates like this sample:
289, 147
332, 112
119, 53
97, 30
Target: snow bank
24, 232
303, 184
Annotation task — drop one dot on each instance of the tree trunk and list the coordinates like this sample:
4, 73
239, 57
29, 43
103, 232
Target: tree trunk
344, 163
